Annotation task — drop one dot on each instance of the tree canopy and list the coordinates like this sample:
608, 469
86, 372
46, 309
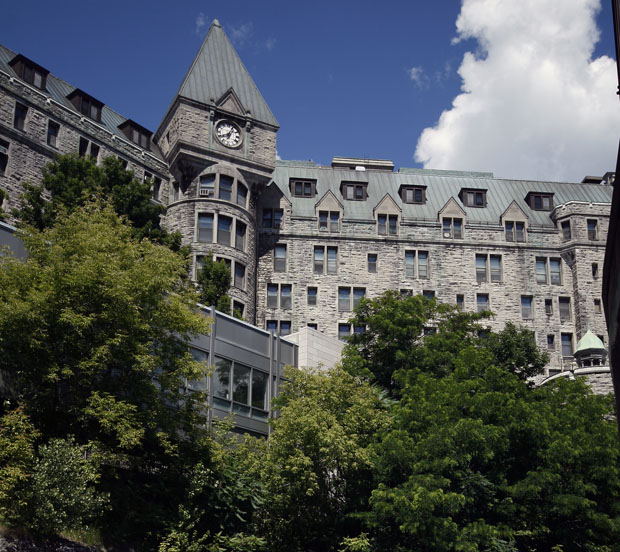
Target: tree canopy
213, 283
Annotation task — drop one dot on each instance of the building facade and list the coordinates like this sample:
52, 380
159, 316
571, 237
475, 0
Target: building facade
306, 242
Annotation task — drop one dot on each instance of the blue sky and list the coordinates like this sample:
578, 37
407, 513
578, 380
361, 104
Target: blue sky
362, 78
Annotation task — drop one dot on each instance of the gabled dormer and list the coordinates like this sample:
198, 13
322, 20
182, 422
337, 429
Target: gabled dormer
328, 211
29, 71
387, 215
136, 133
86, 104
452, 218
514, 221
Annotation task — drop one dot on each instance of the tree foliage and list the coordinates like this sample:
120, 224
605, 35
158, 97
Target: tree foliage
213, 283
70, 181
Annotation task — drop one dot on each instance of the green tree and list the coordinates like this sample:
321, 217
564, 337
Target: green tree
318, 466
69, 181
93, 333
214, 283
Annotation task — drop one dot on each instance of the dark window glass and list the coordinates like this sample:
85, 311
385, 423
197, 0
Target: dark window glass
548, 307
226, 184
567, 345
566, 230
423, 264
334, 221
481, 268
409, 264
207, 185
344, 299
382, 225
285, 296
551, 342
372, 262
239, 276
555, 272
393, 225
259, 389
4, 156
19, 119
267, 218
594, 270
240, 236
332, 260
94, 152
312, 295
272, 326
279, 258
285, 327
344, 331
224, 226
358, 295
277, 218
526, 307
221, 378
323, 220
242, 194
565, 310
52, 133
592, 230
319, 258
482, 302
496, 268
428, 293
83, 147
272, 296
205, 227
460, 301
241, 384
541, 271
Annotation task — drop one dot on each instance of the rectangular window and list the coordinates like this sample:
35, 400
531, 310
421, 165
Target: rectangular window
548, 270
83, 147
592, 229
205, 227
242, 194
382, 225
156, 188
344, 331
412, 194
277, 218
488, 268
260, 387
372, 262
279, 257
319, 259
540, 202
272, 296
474, 198
344, 299
267, 218
271, 326
526, 307
460, 301
594, 269
409, 264
428, 293
548, 307
241, 384
4, 156
240, 231
313, 326
239, 275
224, 227
323, 220
332, 260
175, 191
496, 268
225, 188
550, 342
481, 269
541, 271
597, 306
302, 188
358, 295
482, 302
567, 345
238, 309
555, 275
387, 225
329, 221
452, 228
52, 134
19, 117
423, 265
515, 231
312, 295
221, 382
566, 233
94, 152
565, 310
207, 185
285, 296
355, 191
285, 327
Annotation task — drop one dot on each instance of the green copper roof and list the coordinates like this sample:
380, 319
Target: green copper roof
589, 341
216, 69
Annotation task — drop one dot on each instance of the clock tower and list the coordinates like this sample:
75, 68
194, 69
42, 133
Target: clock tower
219, 140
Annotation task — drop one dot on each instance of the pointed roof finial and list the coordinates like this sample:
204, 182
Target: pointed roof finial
216, 23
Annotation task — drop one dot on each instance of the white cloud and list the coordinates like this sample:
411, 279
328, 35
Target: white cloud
418, 77
239, 35
201, 23
534, 104
270, 44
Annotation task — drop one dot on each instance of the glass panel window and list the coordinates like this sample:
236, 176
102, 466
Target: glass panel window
285, 327
312, 295
221, 378
458, 228
592, 229
428, 293
207, 185
277, 218
224, 227
566, 234
239, 275
393, 225
272, 326
565, 310
272, 296
409, 264
241, 384
382, 225
19, 117
548, 307
567, 345
323, 220
332, 260
482, 302
313, 326
259, 389
555, 272
597, 306
358, 295
344, 331
267, 218
520, 231
52, 133
551, 342
279, 258
423, 265
226, 184
242, 194
240, 236
4, 156
541, 271
344, 299
526, 307
452, 228
372, 262
460, 301
238, 309
594, 268
334, 221
205, 227
481, 269
94, 152
496, 268
83, 147
319, 259
285, 296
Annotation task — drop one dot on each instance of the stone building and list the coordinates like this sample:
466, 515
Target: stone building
305, 242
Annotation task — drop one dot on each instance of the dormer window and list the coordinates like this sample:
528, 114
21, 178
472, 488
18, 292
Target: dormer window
413, 194
29, 71
354, 191
540, 201
137, 134
473, 198
86, 105
302, 188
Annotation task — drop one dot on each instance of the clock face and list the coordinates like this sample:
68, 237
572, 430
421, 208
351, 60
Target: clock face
228, 133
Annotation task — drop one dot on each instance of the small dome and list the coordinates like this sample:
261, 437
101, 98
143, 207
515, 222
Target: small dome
589, 342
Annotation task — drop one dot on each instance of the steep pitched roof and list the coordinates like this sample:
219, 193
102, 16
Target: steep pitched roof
216, 69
